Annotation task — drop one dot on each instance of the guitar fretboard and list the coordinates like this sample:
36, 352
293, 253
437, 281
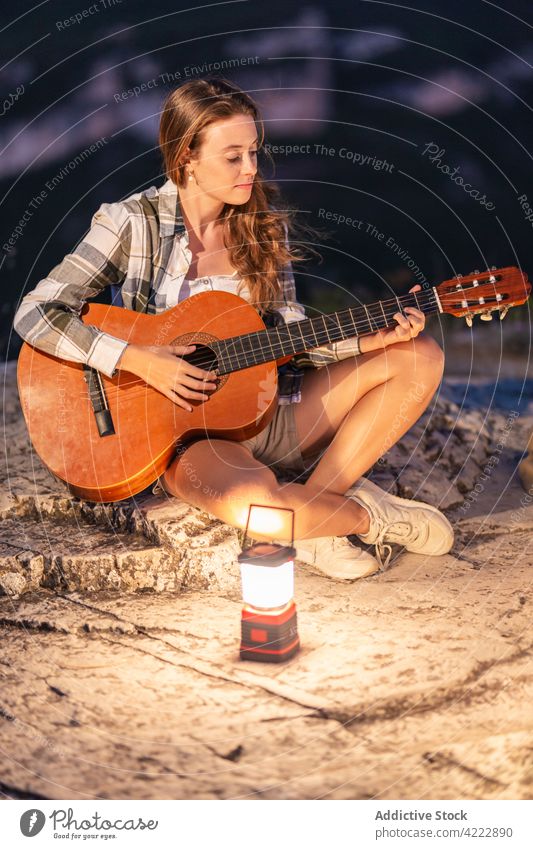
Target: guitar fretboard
263, 346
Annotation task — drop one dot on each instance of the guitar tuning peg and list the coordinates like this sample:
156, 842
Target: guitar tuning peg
503, 313
486, 316
469, 320
476, 271
493, 268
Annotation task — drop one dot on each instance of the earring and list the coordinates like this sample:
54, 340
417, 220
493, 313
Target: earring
190, 175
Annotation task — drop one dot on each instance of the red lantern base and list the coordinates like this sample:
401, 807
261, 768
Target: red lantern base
269, 638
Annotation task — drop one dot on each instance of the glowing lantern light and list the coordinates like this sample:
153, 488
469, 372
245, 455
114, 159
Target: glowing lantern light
269, 631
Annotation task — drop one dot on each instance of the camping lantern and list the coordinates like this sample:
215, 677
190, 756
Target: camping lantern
269, 630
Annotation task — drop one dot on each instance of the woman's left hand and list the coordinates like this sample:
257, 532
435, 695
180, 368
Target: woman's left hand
408, 327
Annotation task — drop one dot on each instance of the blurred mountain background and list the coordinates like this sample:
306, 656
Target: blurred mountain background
367, 86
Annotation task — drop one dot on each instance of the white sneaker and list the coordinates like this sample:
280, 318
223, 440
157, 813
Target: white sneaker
419, 527
336, 557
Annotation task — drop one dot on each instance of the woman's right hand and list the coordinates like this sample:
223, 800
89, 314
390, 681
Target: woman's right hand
163, 368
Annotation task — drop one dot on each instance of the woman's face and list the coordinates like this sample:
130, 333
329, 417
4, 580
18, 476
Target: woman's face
226, 163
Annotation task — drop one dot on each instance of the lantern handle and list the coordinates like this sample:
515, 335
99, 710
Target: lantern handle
268, 507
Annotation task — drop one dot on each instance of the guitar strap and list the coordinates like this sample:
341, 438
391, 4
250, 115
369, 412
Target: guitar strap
154, 244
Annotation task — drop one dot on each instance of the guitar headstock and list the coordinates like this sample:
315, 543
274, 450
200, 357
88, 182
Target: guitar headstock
483, 293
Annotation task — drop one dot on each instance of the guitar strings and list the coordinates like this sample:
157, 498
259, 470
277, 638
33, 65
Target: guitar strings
427, 297
138, 386
345, 321
135, 392
117, 390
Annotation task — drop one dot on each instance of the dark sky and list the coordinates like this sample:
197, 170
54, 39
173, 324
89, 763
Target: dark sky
386, 105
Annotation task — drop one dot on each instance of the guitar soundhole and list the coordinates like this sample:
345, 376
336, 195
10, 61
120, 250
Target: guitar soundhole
203, 356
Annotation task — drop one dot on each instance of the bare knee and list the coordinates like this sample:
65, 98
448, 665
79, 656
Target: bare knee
428, 347
421, 359
262, 491
428, 360
223, 479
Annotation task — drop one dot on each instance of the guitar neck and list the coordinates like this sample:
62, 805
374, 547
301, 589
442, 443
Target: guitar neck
263, 346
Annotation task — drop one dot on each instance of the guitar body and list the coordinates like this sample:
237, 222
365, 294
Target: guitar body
61, 420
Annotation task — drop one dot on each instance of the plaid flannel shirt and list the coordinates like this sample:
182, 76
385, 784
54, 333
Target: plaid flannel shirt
140, 245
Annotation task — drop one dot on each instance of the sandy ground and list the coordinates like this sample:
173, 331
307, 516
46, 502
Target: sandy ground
415, 683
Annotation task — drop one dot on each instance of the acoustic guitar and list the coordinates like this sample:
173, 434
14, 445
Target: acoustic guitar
109, 438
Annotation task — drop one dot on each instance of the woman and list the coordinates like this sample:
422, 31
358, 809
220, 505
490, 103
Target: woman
213, 225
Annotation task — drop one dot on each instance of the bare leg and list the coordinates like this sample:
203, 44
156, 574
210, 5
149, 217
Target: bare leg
223, 478
354, 406
361, 406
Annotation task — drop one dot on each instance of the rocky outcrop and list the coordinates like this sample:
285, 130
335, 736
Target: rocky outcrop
154, 544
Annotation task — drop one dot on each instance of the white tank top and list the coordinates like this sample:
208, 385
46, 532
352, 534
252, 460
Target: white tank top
213, 282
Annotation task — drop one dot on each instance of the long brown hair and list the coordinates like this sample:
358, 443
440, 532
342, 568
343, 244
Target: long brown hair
255, 233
